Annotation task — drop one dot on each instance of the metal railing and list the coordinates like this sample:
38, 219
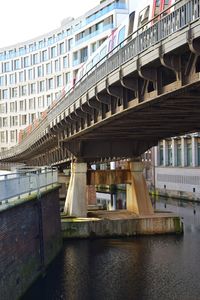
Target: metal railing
14, 186
151, 33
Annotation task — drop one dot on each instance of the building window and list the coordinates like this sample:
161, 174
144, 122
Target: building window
70, 44
21, 51
22, 105
41, 86
179, 155
189, 154
7, 67
41, 44
24, 119
40, 71
50, 40
53, 52
13, 136
61, 48
16, 64
48, 100
5, 94
57, 65
3, 109
32, 118
14, 92
169, 152
12, 79
44, 55
32, 103
30, 74
2, 137
50, 83
93, 47
23, 90
33, 88
59, 81
161, 155
48, 69
35, 58
12, 107
65, 62
84, 54
21, 76
13, 121
75, 58
26, 61
4, 122
2, 80
40, 102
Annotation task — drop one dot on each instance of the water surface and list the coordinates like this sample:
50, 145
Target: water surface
151, 267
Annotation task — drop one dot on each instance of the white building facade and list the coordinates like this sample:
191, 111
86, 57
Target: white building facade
34, 73
176, 166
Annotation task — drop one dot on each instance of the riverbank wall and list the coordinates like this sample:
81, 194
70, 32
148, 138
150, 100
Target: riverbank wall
30, 238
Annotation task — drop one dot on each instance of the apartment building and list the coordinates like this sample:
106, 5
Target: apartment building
35, 73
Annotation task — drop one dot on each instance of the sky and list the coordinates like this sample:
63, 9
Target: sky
23, 20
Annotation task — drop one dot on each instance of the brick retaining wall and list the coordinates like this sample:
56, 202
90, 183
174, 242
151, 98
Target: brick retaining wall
30, 237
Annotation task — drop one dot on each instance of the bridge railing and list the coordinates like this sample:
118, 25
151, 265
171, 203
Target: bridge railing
151, 33
14, 186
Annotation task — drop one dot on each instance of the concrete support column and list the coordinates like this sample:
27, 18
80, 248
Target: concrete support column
75, 204
174, 153
138, 200
183, 152
194, 152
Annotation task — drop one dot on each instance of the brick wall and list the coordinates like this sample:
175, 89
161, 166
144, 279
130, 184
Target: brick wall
91, 195
30, 237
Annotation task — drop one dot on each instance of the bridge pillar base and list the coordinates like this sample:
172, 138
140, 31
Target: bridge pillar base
75, 204
138, 200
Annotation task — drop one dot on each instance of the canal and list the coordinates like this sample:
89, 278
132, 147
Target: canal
151, 267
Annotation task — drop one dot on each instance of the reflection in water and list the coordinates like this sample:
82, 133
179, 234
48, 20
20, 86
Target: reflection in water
112, 201
189, 211
151, 267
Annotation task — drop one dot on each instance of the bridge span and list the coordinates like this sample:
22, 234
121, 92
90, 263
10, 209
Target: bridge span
147, 89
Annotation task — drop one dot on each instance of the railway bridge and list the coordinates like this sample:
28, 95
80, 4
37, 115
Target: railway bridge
145, 90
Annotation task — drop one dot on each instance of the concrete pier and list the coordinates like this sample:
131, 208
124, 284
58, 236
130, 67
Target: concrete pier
104, 224
75, 204
138, 200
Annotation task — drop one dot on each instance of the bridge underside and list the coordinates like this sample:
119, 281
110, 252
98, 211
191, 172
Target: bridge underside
129, 103
132, 106
132, 131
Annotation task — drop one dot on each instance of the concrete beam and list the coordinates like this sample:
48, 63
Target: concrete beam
96, 149
108, 177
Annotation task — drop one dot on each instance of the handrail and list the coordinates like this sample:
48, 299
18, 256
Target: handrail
14, 186
140, 40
